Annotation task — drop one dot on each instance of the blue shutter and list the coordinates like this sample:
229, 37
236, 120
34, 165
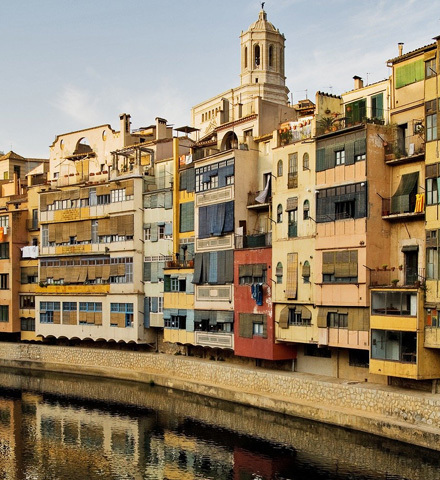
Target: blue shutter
147, 312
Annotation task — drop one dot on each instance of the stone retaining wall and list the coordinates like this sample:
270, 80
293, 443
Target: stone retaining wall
404, 415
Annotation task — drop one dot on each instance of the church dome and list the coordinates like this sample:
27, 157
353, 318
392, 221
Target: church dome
262, 23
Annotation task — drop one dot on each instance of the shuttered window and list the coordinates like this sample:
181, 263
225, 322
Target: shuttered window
292, 275
187, 217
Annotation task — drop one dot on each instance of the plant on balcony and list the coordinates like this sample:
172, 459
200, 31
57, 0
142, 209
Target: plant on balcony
384, 266
394, 281
285, 136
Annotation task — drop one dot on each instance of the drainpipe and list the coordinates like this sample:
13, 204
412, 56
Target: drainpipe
176, 216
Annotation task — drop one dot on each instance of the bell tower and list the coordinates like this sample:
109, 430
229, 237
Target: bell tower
262, 59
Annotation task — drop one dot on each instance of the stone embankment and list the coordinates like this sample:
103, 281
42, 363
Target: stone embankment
408, 416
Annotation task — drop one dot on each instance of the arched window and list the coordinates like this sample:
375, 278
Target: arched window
279, 213
257, 58
306, 161
306, 208
306, 272
279, 272
245, 57
270, 55
280, 168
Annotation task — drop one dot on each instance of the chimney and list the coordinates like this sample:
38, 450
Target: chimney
358, 82
124, 121
161, 128
400, 45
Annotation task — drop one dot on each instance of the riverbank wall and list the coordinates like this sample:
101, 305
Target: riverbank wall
408, 416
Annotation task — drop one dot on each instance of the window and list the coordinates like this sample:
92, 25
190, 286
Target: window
93, 200
340, 157
69, 306
431, 191
257, 56
174, 284
293, 163
279, 213
245, 58
306, 161
293, 223
337, 320
340, 266
4, 313
4, 281
44, 235
356, 112
4, 250
344, 210
280, 168
4, 221
394, 303
27, 302
161, 231
270, 55
279, 272
358, 358
257, 329
252, 273
48, 311
94, 231
295, 318
27, 324
187, 217
306, 209
410, 73
377, 106
118, 195
430, 68
147, 233
126, 309
306, 272
394, 345
431, 127
176, 322
432, 257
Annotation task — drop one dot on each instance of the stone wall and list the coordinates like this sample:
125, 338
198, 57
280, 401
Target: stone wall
409, 416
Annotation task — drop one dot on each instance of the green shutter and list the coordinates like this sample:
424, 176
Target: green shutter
320, 160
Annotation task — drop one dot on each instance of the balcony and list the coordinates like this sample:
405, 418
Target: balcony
214, 340
177, 263
259, 200
408, 207
253, 241
392, 276
408, 149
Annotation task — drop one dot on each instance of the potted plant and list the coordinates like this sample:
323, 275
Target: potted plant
394, 282
385, 266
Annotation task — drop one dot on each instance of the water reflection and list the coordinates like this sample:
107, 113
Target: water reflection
67, 427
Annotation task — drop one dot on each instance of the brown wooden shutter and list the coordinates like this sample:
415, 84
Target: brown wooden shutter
292, 275
283, 322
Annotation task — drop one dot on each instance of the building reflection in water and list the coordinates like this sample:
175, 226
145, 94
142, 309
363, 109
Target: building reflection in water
55, 427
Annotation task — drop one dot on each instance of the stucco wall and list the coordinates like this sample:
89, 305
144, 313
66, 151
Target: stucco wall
408, 416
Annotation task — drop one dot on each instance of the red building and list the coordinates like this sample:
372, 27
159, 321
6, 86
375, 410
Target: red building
254, 332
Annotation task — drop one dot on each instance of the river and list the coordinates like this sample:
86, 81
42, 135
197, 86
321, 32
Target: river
68, 427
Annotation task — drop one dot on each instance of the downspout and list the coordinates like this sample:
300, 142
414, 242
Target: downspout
176, 213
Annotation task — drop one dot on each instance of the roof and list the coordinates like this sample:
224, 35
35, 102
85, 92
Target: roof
262, 23
12, 156
405, 56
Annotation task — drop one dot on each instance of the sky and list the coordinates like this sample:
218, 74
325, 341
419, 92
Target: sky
74, 64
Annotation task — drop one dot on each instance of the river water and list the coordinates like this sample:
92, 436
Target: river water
66, 427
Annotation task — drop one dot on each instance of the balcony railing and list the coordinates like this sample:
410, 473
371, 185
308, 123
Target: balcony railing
180, 264
253, 241
412, 146
263, 200
397, 277
409, 207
